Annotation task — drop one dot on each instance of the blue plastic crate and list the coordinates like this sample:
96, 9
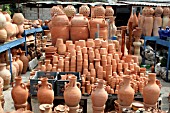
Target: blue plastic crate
52, 77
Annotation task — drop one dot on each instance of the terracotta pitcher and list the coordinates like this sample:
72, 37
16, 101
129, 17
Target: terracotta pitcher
20, 63
45, 92
25, 61
18, 91
72, 93
126, 92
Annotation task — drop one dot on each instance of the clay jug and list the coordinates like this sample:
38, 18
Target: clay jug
99, 96
16, 65
72, 93
2, 21
151, 98
79, 28
45, 92
6, 75
84, 10
126, 92
18, 91
18, 18
3, 35
25, 61
20, 63
7, 16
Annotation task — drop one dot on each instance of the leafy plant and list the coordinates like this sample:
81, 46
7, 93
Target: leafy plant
6, 7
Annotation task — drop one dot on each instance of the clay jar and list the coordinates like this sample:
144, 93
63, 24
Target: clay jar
71, 88
20, 63
99, 96
18, 18
79, 28
45, 92
2, 21
16, 65
25, 61
85, 10
21, 30
126, 92
10, 29
19, 92
6, 75
56, 10
151, 98
3, 35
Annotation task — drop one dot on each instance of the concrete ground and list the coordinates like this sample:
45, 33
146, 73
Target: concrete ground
9, 105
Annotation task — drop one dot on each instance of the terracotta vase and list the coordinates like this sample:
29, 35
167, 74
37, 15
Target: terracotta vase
79, 28
2, 21
99, 97
6, 75
16, 65
3, 35
151, 98
84, 10
71, 88
18, 91
25, 61
20, 63
45, 92
126, 92
18, 18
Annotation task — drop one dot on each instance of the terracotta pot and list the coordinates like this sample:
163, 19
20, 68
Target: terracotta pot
21, 30
151, 98
71, 88
109, 11
3, 35
99, 97
18, 18
20, 63
60, 20
25, 61
85, 10
16, 65
7, 16
18, 91
10, 29
62, 49
2, 21
126, 92
79, 28
45, 92
99, 11
6, 75
56, 10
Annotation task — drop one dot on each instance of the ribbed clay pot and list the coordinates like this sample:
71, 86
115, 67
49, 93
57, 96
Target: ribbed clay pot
126, 92
19, 92
25, 61
45, 92
72, 93
20, 63
79, 28
18, 18
6, 75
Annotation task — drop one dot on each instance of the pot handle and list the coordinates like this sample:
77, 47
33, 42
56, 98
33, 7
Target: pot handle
23, 85
66, 85
12, 84
38, 86
78, 84
50, 86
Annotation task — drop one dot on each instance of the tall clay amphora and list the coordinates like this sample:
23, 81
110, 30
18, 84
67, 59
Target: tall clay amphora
99, 97
126, 92
6, 75
45, 92
79, 28
148, 22
151, 91
19, 93
20, 63
60, 23
157, 20
25, 61
72, 93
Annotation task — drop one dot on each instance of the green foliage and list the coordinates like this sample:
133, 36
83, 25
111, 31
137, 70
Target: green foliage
6, 7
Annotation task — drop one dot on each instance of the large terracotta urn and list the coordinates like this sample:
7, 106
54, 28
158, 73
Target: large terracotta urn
84, 10
45, 92
7, 16
157, 20
6, 75
99, 97
3, 35
2, 21
79, 29
101, 30
25, 61
18, 18
60, 23
72, 93
19, 92
151, 86
20, 63
126, 92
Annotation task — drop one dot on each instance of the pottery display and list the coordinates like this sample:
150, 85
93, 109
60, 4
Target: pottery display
18, 91
25, 61
6, 75
45, 92
84, 10
71, 88
18, 18
79, 28
2, 21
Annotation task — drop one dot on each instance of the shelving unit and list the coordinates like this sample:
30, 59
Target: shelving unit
160, 42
